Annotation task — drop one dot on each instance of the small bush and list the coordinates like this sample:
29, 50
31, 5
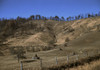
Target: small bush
12, 50
18, 51
1, 54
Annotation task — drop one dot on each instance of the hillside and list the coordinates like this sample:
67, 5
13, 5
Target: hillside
51, 40
39, 33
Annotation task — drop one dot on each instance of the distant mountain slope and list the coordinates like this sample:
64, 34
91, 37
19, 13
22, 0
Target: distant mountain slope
49, 32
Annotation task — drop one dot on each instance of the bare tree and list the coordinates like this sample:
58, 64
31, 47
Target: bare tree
62, 18
19, 52
38, 17
56, 17
31, 17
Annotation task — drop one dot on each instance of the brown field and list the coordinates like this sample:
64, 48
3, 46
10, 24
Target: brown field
92, 66
50, 41
48, 58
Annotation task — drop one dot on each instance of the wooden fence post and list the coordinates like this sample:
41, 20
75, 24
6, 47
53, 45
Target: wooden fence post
84, 54
21, 65
77, 57
67, 59
41, 63
87, 54
56, 61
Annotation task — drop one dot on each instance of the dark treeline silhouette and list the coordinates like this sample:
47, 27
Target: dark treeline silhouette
3, 21
57, 18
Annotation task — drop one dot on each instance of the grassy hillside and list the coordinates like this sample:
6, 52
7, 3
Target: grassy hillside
48, 39
91, 39
50, 33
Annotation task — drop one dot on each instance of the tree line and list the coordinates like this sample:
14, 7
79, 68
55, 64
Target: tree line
57, 18
8, 26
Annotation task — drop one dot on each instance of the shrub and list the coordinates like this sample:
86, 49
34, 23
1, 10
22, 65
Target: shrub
19, 52
1, 54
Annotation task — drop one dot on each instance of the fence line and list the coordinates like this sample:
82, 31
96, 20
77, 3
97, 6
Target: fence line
76, 57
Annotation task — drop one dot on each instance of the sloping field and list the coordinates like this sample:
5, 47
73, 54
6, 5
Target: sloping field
95, 65
53, 32
79, 37
91, 39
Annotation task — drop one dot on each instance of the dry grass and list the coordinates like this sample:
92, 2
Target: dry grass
95, 65
48, 58
62, 31
42, 33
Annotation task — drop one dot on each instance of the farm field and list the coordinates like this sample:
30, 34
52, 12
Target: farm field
48, 58
49, 35
92, 66
54, 42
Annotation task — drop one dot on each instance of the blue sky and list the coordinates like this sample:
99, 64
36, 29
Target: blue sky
25, 8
